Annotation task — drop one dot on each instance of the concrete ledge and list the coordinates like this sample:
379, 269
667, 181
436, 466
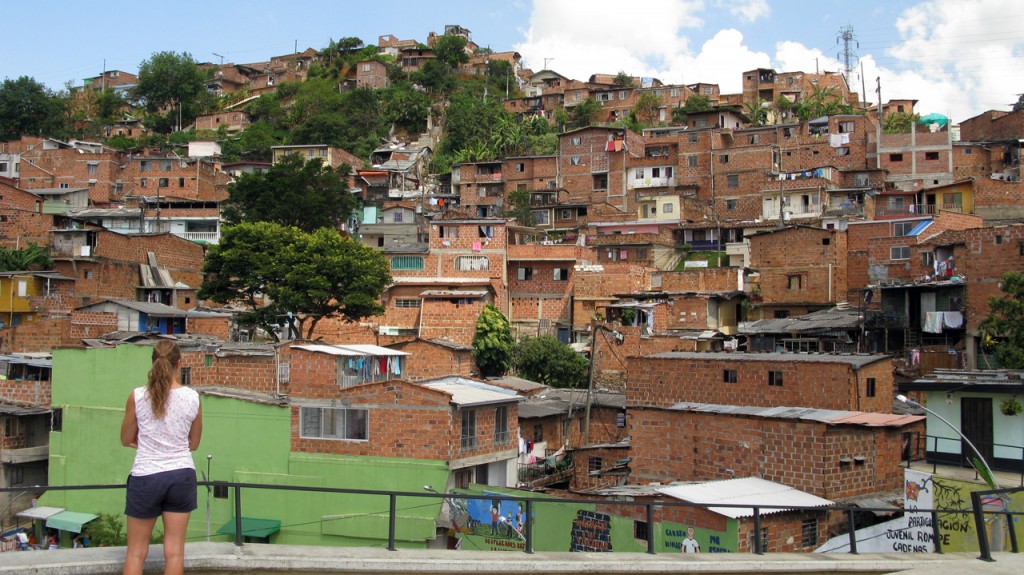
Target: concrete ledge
253, 558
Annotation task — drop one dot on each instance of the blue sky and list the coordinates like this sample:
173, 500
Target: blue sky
957, 57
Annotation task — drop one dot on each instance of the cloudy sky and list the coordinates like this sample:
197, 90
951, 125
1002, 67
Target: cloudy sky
956, 57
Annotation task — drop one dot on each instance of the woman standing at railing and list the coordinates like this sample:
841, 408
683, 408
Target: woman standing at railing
164, 422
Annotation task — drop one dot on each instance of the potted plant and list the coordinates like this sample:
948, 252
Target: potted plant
1010, 406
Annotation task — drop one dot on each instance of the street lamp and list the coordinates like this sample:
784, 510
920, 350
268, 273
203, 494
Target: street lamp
206, 477
986, 472
980, 465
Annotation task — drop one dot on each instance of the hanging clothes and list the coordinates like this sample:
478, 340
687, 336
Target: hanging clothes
952, 319
933, 322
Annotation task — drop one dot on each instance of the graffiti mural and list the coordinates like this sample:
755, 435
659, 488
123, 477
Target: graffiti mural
591, 531
492, 523
691, 539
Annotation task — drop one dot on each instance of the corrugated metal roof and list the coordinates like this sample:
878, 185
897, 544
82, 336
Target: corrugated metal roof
517, 383
351, 350
856, 361
828, 416
827, 319
746, 490
411, 280
453, 293
148, 308
467, 392
11, 409
32, 360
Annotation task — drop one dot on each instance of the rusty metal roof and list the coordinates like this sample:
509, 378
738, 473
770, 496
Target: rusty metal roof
827, 416
826, 319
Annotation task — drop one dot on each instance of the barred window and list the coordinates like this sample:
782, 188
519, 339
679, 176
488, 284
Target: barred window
472, 263
407, 263
809, 533
407, 302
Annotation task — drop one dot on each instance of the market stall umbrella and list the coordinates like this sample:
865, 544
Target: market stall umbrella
934, 119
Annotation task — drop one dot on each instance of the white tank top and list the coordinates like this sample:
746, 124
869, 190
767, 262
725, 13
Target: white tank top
163, 443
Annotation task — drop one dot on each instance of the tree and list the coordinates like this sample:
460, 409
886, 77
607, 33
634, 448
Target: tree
31, 258
549, 361
1004, 327
172, 86
293, 192
900, 122
520, 207
584, 114
646, 109
450, 50
623, 80
492, 343
30, 108
757, 111
1019, 104
822, 102
695, 104
306, 277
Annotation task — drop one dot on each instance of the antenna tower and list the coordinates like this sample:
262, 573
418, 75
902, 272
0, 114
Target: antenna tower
847, 56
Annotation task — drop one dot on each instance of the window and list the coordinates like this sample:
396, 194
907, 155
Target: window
142, 182
728, 376
575, 160
899, 253
723, 158
781, 313
163, 182
733, 180
524, 274
593, 464
165, 165
826, 241
17, 475
694, 138
10, 427
450, 232
538, 433
57, 420
472, 263
143, 166
666, 208
310, 153
541, 218
501, 435
520, 167
794, 282
730, 204
397, 217
691, 161
576, 141
638, 174
561, 274
181, 182
185, 378
895, 157
842, 151
408, 263
566, 214
870, 391
407, 303
775, 378
787, 132
998, 240
968, 151
87, 274
600, 181
468, 429
332, 423
931, 155
93, 169
846, 127
902, 228
809, 533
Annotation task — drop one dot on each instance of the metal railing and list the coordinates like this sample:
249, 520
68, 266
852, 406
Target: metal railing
977, 510
917, 449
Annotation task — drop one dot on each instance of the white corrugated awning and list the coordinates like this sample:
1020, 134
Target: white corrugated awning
40, 512
747, 490
352, 350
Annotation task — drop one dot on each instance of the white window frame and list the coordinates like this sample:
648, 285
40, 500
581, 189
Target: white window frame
472, 263
340, 427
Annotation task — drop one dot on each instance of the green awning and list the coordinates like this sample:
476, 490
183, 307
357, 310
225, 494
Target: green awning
252, 527
69, 520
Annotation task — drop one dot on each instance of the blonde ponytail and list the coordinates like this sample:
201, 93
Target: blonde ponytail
166, 356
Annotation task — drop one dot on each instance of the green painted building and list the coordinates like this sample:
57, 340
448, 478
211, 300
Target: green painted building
249, 437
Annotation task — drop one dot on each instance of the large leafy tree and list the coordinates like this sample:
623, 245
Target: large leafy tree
584, 114
305, 277
551, 362
30, 108
1003, 329
695, 104
646, 109
172, 86
293, 192
33, 257
493, 345
450, 49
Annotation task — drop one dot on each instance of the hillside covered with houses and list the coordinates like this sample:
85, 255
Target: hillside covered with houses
751, 279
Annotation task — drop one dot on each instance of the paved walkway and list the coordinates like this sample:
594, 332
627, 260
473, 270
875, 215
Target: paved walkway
225, 558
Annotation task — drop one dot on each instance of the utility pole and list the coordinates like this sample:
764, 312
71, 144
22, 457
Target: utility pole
878, 127
847, 55
594, 327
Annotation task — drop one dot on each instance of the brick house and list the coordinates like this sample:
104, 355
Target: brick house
435, 358
55, 164
991, 252
594, 164
22, 220
26, 418
800, 269
541, 280
330, 155
234, 121
31, 296
371, 74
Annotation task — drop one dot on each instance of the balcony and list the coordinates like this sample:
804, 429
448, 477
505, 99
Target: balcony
25, 454
652, 182
200, 237
502, 437
468, 442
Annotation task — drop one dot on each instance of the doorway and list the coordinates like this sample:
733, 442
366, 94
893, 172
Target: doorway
976, 424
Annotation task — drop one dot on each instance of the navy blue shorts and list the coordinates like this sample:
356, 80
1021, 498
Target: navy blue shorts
150, 496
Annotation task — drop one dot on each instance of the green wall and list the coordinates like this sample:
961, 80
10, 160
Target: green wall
250, 443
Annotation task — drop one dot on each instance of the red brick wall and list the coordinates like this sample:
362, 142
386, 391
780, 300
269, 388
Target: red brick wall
429, 361
21, 218
709, 279
824, 384
42, 335
52, 168
22, 392
216, 326
993, 125
985, 264
376, 77
443, 319
801, 251
801, 454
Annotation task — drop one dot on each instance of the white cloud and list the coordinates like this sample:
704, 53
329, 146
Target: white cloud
748, 11
956, 58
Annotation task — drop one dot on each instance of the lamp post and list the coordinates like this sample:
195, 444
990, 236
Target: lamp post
209, 459
986, 472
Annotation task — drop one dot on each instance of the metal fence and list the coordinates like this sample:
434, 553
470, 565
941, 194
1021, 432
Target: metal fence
977, 511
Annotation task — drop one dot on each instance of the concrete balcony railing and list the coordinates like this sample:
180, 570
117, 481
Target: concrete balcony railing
205, 237
652, 182
25, 454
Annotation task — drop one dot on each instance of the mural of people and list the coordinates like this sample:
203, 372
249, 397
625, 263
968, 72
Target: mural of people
690, 544
495, 517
